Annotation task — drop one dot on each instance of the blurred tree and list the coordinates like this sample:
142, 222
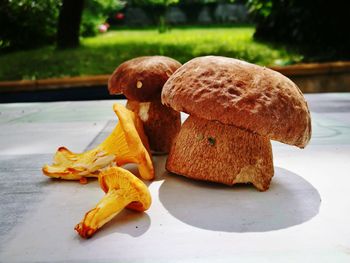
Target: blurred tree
160, 10
96, 12
82, 17
319, 28
193, 8
69, 23
27, 23
31, 23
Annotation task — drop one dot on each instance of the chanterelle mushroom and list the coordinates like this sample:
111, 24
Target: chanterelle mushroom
235, 109
141, 80
122, 189
126, 144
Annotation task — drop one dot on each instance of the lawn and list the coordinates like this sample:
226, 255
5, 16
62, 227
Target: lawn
101, 54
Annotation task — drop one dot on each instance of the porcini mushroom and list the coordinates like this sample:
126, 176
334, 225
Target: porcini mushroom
235, 109
126, 144
122, 190
141, 80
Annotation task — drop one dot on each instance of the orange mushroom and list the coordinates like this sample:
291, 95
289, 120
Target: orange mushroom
122, 189
126, 144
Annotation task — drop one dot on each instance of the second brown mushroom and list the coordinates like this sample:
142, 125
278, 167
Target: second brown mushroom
141, 81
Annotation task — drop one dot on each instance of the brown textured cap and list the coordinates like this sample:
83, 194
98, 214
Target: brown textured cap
238, 93
142, 79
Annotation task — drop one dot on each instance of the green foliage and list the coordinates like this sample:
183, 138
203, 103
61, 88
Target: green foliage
318, 28
96, 13
102, 54
163, 3
31, 23
262, 8
159, 8
27, 23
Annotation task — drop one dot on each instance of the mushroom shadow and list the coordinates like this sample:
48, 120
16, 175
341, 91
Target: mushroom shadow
159, 168
291, 200
126, 222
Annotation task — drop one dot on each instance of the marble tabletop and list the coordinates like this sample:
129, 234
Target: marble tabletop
303, 217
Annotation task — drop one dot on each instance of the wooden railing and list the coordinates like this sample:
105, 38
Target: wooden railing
311, 77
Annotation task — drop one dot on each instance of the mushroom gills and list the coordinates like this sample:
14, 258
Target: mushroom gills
126, 144
212, 151
122, 189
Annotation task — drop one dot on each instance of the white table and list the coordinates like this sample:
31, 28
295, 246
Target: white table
304, 217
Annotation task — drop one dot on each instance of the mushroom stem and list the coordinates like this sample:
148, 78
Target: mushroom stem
108, 207
123, 189
161, 123
212, 151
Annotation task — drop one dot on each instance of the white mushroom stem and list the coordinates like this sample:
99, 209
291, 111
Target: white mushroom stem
143, 111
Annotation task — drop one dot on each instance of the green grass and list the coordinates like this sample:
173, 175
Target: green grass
102, 54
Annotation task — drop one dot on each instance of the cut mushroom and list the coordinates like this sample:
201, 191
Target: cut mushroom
122, 190
126, 144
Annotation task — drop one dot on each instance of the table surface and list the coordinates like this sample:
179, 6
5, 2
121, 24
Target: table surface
303, 217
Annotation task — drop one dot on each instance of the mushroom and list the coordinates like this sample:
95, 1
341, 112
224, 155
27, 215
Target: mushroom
235, 109
122, 189
126, 144
141, 80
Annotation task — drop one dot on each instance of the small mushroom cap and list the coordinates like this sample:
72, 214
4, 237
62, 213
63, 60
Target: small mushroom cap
119, 178
142, 79
245, 95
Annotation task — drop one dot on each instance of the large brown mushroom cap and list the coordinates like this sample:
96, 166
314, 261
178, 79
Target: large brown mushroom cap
245, 95
142, 79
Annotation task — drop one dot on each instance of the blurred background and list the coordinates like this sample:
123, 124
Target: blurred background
52, 46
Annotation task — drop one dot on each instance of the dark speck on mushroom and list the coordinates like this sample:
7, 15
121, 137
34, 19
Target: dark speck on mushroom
234, 92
